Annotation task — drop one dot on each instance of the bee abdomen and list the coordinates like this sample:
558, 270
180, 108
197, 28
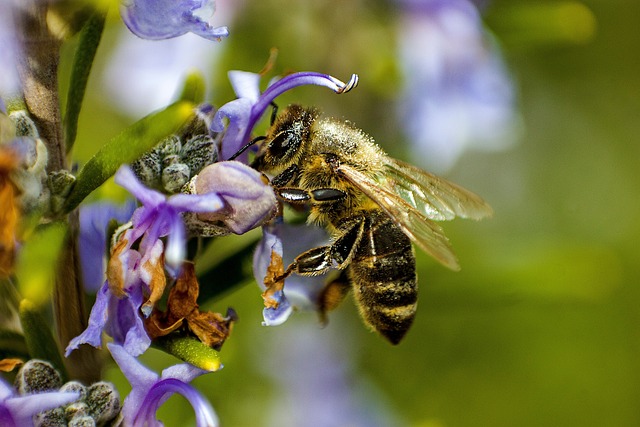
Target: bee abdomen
385, 285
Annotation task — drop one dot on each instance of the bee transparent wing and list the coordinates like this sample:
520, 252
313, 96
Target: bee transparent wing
421, 230
431, 195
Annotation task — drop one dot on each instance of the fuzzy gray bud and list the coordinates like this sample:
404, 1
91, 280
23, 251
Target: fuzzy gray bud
103, 401
37, 376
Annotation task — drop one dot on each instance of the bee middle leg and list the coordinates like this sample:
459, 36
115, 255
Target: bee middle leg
338, 255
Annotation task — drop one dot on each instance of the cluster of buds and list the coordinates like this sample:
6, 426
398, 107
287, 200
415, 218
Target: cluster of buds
96, 405
174, 161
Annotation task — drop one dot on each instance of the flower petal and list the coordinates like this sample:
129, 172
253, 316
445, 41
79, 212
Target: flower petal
163, 19
97, 321
125, 178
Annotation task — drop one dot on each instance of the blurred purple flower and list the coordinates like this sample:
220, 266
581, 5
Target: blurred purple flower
94, 221
457, 93
299, 293
18, 411
243, 113
319, 387
164, 19
149, 391
9, 49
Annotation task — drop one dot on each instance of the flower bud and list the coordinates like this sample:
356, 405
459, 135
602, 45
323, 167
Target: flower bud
37, 376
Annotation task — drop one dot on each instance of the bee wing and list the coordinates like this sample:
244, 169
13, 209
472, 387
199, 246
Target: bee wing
424, 232
435, 197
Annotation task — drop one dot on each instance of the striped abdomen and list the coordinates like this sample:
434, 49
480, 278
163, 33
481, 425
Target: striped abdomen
383, 276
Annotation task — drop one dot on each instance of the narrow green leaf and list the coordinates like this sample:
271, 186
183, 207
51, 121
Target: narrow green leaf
127, 147
39, 338
190, 350
38, 261
89, 40
193, 88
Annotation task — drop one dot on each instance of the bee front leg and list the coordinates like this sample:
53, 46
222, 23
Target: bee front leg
338, 255
320, 195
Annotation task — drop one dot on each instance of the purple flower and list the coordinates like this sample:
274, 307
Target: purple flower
243, 113
164, 19
94, 220
457, 93
18, 411
149, 391
133, 274
299, 293
9, 49
159, 216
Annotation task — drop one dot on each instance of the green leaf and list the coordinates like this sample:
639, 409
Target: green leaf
193, 88
190, 350
37, 262
83, 60
127, 147
38, 336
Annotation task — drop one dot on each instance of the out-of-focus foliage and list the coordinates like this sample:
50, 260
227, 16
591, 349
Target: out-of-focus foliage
540, 328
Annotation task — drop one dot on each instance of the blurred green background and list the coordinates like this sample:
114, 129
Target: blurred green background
540, 328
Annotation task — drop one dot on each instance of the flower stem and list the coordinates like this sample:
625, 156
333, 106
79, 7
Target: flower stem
38, 70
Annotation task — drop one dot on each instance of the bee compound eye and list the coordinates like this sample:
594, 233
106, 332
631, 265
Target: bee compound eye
282, 143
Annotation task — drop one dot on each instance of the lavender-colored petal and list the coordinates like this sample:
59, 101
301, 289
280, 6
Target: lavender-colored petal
139, 376
244, 113
125, 325
163, 19
245, 84
280, 314
97, 321
238, 112
23, 408
270, 243
148, 391
289, 82
94, 220
127, 179
209, 202
176, 250
249, 201
162, 390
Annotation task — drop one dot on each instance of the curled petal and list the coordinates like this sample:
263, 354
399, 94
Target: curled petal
163, 19
149, 391
162, 390
245, 112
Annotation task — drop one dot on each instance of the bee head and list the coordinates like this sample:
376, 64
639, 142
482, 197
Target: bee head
285, 139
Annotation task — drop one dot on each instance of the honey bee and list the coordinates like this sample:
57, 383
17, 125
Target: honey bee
374, 206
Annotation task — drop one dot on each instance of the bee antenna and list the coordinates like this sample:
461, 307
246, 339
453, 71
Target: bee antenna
246, 146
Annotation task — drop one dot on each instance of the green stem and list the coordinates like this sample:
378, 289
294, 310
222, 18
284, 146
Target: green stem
38, 71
